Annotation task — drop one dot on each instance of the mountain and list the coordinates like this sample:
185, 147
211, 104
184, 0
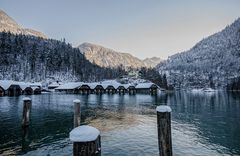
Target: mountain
212, 62
30, 58
105, 57
152, 62
9, 24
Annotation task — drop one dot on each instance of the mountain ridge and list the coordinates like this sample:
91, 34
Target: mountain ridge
106, 57
7, 23
152, 61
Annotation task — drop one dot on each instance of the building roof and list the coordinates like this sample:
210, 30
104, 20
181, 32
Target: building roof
92, 85
34, 88
23, 85
54, 84
5, 84
35, 84
145, 85
70, 85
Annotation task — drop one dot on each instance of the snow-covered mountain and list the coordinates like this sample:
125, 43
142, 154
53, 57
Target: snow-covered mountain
105, 57
9, 24
214, 61
152, 62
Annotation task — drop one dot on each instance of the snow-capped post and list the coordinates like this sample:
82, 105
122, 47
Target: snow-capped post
77, 113
86, 141
164, 130
26, 111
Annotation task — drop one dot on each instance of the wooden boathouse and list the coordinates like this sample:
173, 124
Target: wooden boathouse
27, 91
111, 89
36, 90
149, 88
2, 91
71, 87
14, 88
85, 89
131, 89
100, 88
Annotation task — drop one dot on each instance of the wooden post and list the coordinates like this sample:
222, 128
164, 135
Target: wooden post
26, 111
164, 130
77, 113
86, 141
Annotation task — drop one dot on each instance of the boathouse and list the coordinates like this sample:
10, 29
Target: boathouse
131, 89
11, 88
110, 89
36, 90
95, 87
2, 91
25, 87
36, 84
99, 89
71, 87
121, 89
14, 90
53, 85
28, 91
85, 89
149, 88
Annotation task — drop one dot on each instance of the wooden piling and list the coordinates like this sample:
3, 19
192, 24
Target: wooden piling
26, 111
86, 141
77, 113
164, 130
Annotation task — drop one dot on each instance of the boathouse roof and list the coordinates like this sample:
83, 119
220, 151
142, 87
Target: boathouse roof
70, 85
5, 84
145, 85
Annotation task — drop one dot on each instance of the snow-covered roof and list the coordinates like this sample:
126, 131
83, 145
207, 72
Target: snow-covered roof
70, 85
5, 84
126, 86
23, 85
104, 85
84, 134
35, 84
54, 84
92, 85
130, 85
34, 88
144, 85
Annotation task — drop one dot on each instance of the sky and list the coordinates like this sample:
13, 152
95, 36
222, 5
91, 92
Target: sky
143, 28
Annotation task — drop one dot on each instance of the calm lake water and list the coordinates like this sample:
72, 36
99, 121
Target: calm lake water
202, 124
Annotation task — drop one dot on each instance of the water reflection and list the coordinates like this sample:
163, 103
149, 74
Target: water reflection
206, 123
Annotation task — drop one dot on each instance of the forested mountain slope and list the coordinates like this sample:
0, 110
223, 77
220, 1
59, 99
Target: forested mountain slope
29, 58
214, 61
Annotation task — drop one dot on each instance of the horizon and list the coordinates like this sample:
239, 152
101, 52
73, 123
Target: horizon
142, 29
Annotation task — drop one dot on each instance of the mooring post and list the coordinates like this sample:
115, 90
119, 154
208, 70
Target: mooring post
86, 141
164, 130
77, 113
26, 111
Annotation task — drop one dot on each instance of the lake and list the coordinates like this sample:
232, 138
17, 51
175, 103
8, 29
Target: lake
202, 123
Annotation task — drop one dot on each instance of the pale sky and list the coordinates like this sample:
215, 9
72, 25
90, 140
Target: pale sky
143, 28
